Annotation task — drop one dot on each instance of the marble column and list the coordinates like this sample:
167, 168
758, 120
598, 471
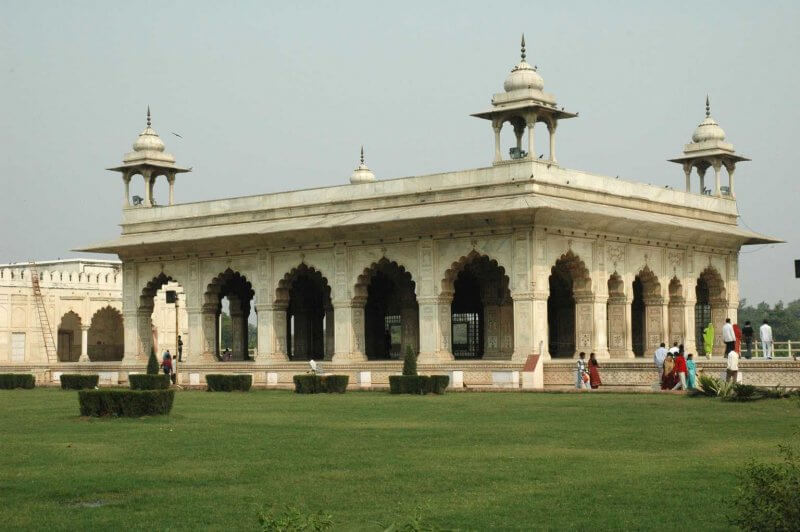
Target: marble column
435, 329
127, 180
551, 128
84, 344
717, 188
148, 187
687, 169
507, 331
539, 338
498, 156
618, 327
600, 333
532, 138
130, 336
171, 181
491, 330
409, 319
330, 341
348, 317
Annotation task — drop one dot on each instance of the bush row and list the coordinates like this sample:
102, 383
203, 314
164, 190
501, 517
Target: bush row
310, 383
9, 381
418, 384
125, 403
229, 383
144, 381
79, 382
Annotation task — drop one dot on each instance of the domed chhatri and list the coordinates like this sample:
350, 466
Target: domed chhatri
523, 76
362, 173
149, 160
708, 130
709, 149
523, 104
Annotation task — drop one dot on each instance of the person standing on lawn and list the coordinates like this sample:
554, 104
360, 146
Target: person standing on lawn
728, 336
708, 339
594, 372
765, 333
733, 366
680, 371
580, 371
747, 334
691, 372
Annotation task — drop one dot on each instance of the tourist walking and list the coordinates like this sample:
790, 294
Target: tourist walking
680, 371
747, 335
180, 349
728, 336
594, 372
733, 366
737, 332
691, 373
708, 339
581, 376
166, 363
658, 359
765, 333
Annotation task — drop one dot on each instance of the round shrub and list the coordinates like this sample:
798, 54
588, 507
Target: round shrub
10, 381
79, 382
144, 381
125, 403
229, 383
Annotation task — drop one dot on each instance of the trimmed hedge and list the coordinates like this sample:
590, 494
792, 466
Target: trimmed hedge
229, 383
310, 383
79, 382
125, 403
418, 384
9, 381
144, 381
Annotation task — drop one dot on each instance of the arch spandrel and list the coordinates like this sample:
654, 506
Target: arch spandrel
321, 261
405, 255
498, 248
457, 266
148, 272
284, 285
359, 288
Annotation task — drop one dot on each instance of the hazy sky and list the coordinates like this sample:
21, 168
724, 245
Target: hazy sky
278, 96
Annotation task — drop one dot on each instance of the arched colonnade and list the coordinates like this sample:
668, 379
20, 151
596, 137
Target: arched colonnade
472, 315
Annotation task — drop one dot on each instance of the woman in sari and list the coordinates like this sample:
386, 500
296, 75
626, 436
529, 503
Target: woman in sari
708, 339
691, 374
594, 372
737, 333
670, 377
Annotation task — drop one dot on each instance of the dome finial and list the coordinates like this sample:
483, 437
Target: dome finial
522, 46
148, 116
362, 154
708, 107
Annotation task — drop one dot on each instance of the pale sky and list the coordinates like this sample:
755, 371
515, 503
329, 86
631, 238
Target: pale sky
271, 97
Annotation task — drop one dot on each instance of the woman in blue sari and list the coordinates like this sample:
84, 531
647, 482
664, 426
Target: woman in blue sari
691, 374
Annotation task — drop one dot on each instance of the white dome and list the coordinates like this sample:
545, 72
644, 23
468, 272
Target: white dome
708, 130
148, 141
523, 76
362, 174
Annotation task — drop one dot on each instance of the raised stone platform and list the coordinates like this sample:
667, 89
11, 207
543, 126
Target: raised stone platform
481, 374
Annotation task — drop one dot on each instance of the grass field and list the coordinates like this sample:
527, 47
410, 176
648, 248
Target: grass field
477, 460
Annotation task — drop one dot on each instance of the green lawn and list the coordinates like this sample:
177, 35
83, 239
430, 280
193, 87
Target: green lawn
479, 460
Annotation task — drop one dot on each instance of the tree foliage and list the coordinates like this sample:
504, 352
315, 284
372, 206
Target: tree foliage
152, 362
784, 319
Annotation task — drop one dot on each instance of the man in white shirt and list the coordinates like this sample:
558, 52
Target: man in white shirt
733, 366
728, 336
765, 332
658, 360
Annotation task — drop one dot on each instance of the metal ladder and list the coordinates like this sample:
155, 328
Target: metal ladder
47, 333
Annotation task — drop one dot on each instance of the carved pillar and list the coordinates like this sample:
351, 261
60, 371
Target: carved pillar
677, 321
171, 180
532, 137
717, 188
519, 131
687, 169
148, 187
130, 324
84, 344
126, 178
719, 311
498, 156
654, 310
551, 128
600, 336
584, 323
144, 333
435, 329
507, 331
731, 168
209, 333
348, 317
618, 327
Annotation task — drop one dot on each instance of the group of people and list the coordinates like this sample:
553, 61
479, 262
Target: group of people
587, 377
675, 371
735, 336
167, 366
